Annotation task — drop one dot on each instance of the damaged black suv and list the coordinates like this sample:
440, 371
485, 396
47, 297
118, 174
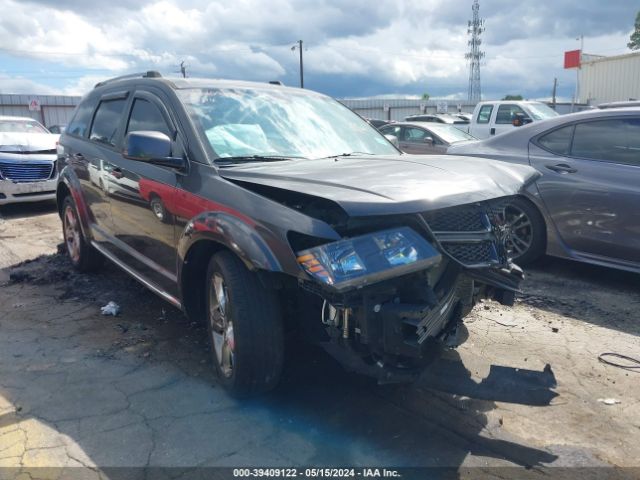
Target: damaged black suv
262, 209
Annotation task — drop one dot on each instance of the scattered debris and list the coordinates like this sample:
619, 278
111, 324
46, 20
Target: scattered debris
609, 401
554, 329
111, 308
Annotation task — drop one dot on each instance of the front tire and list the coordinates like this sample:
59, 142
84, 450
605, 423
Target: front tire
245, 327
83, 256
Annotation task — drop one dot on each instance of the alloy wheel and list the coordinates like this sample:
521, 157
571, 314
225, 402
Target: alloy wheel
520, 227
72, 234
221, 325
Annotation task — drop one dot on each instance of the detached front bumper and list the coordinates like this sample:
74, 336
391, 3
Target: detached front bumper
14, 192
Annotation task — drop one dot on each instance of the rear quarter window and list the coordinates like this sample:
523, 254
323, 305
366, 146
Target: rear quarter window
557, 141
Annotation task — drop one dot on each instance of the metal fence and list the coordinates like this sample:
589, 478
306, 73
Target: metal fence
398, 109
47, 109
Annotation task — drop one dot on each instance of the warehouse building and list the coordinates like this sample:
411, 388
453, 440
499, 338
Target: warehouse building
47, 109
609, 79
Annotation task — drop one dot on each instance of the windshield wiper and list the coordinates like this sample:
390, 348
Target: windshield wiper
349, 154
254, 158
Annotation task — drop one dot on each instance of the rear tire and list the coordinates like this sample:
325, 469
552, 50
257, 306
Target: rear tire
245, 327
529, 234
83, 256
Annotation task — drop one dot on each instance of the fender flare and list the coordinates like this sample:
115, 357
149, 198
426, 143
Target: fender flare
232, 233
68, 178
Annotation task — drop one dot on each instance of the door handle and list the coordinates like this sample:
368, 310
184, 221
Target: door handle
562, 168
492, 131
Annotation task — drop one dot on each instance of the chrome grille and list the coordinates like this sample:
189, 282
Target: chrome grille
23, 172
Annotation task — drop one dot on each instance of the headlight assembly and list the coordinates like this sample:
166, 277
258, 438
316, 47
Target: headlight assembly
369, 258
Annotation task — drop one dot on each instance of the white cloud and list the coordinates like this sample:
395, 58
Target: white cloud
24, 85
389, 45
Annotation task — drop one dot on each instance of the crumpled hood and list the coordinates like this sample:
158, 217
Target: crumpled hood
375, 185
15, 142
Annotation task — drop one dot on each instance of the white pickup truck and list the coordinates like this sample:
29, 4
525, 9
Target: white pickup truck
492, 118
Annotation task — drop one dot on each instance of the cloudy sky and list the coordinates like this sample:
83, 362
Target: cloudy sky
353, 48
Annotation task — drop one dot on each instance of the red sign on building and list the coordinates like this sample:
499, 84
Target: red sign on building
572, 59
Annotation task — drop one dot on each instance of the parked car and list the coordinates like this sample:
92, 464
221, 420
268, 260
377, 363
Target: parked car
425, 138
282, 209
622, 104
27, 161
492, 118
585, 206
58, 129
378, 123
464, 116
437, 118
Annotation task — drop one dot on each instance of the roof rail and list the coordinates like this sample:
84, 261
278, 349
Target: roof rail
147, 74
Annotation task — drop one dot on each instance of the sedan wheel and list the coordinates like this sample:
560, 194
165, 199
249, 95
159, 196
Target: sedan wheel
520, 231
526, 237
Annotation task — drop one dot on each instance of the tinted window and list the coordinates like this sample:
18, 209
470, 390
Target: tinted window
146, 116
81, 119
616, 140
506, 113
485, 113
106, 121
557, 141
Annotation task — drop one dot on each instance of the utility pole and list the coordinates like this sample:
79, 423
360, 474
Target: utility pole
299, 47
553, 95
475, 27
581, 38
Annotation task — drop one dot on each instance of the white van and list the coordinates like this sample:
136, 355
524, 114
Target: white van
492, 118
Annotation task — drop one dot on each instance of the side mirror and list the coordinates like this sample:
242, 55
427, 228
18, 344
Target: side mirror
393, 139
152, 147
428, 140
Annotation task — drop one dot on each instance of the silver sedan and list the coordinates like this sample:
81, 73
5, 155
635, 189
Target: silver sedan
586, 204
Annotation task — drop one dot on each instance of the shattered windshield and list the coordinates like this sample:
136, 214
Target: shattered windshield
246, 122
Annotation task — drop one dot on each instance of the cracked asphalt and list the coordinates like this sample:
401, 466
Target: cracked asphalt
78, 389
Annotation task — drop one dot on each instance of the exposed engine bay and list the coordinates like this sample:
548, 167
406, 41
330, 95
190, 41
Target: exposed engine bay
391, 327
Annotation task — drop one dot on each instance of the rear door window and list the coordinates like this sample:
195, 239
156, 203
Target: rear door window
107, 121
557, 141
615, 140
484, 115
